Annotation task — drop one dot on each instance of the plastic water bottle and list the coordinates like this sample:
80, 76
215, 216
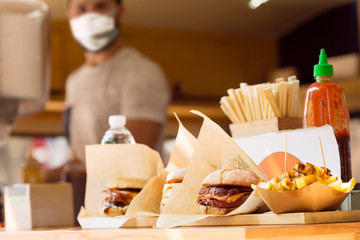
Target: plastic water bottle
117, 133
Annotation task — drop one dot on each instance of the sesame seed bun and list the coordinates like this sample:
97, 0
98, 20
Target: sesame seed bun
215, 210
122, 183
114, 211
236, 177
176, 175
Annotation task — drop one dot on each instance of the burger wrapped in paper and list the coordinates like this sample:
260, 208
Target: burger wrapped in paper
173, 178
225, 190
120, 192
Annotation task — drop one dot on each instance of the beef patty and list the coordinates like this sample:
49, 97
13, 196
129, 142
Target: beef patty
118, 197
220, 196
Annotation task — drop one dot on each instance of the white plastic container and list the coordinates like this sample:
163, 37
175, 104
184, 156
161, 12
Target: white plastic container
117, 133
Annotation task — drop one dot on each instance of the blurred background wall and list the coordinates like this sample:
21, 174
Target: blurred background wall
206, 47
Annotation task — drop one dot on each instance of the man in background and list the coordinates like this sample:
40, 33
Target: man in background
114, 80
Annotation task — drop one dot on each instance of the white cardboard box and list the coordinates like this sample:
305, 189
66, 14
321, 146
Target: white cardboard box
29, 206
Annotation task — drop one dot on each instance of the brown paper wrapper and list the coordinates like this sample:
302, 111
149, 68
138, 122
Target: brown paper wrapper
105, 163
214, 149
147, 202
313, 198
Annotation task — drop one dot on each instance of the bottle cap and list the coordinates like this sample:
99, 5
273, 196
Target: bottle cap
117, 120
323, 68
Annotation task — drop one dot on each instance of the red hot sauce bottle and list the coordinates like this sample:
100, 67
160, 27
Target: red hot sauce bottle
325, 104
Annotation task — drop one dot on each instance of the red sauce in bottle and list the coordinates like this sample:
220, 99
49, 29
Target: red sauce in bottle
325, 104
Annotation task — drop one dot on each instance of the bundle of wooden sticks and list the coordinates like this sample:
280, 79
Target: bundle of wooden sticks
263, 101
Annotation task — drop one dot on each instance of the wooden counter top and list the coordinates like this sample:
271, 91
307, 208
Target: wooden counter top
299, 232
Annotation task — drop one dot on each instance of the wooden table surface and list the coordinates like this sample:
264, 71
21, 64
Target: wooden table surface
334, 231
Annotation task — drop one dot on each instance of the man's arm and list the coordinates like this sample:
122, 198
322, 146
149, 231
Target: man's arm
145, 132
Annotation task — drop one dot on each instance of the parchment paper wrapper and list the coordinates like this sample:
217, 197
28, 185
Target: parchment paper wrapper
147, 202
214, 150
313, 198
105, 163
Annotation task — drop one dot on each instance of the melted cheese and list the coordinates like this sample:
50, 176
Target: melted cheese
230, 199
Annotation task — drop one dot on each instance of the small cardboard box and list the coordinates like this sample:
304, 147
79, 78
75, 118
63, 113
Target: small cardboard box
264, 126
312, 198
29, 206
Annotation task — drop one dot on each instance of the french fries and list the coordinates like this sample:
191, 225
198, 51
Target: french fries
303, 175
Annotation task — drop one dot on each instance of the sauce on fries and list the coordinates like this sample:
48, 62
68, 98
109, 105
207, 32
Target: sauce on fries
303, 175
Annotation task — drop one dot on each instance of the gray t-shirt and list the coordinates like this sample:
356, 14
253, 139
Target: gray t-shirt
127, 84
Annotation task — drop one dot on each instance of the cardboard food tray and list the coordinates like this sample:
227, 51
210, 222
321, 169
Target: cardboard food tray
251, 219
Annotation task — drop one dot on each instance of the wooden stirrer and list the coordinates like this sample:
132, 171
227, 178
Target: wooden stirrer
285, 151
322, 152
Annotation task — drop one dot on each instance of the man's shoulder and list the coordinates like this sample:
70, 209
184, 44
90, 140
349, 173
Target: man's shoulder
134, 59
75, 72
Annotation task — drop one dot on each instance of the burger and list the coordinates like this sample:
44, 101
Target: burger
120, 192
173, 178
225, 190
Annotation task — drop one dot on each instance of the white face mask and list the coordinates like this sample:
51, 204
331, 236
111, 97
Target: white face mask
94, 31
